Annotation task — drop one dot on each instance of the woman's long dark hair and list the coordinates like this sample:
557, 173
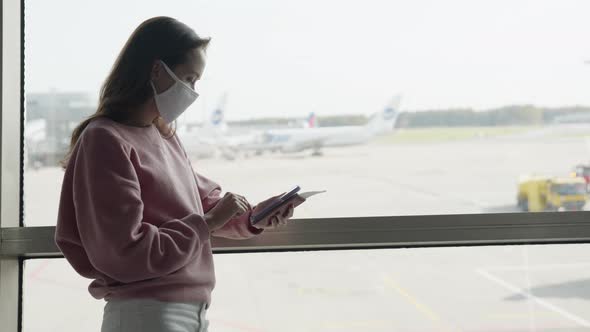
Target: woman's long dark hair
128, 84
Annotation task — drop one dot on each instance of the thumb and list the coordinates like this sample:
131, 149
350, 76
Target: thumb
268, 201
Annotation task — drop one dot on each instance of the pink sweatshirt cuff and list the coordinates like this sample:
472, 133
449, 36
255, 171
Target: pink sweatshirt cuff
252, 229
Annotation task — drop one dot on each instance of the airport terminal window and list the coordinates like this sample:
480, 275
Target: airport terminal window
461, 108
502, 289
394, 109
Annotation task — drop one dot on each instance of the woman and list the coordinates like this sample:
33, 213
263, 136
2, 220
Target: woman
133, 215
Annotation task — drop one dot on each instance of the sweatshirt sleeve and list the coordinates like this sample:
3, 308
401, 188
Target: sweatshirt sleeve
109, 213
237, 228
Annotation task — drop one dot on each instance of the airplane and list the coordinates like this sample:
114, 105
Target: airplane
315, 138
216, 134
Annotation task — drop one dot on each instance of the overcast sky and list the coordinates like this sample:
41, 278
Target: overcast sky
333, 57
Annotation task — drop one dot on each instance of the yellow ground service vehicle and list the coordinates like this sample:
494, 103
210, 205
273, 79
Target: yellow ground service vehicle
542, 193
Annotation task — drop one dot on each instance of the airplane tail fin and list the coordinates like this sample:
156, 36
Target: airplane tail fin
311, 121
216, 118
385, 121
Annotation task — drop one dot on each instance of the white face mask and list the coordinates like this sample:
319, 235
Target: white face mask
174, 101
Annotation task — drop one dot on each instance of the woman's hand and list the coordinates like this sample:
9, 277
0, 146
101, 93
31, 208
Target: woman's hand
280, 216
229, 206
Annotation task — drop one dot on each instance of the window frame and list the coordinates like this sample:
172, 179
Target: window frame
363, 233
18, 242
11, 115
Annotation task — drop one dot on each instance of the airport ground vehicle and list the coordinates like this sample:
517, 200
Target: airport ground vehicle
583, 171
543, 193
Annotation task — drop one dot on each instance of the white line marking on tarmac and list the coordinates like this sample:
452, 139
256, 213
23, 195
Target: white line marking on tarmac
530, 296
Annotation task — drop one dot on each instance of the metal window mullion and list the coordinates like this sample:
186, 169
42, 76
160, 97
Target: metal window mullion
10, 154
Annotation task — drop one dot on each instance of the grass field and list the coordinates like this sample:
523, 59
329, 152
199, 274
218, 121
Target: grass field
432, 135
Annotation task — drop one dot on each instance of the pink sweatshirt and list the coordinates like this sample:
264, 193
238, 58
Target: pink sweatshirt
131, 216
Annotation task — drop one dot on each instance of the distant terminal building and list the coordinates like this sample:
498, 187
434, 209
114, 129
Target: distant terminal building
50, 118
581, 117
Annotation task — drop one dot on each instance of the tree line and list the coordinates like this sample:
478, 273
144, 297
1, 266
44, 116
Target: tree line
515, 115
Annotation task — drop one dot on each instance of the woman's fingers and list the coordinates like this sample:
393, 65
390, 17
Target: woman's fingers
239, 207
245, 201
283, 221
240, 204
274, 221
288, 212
240, 199
281, 218
244, 205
